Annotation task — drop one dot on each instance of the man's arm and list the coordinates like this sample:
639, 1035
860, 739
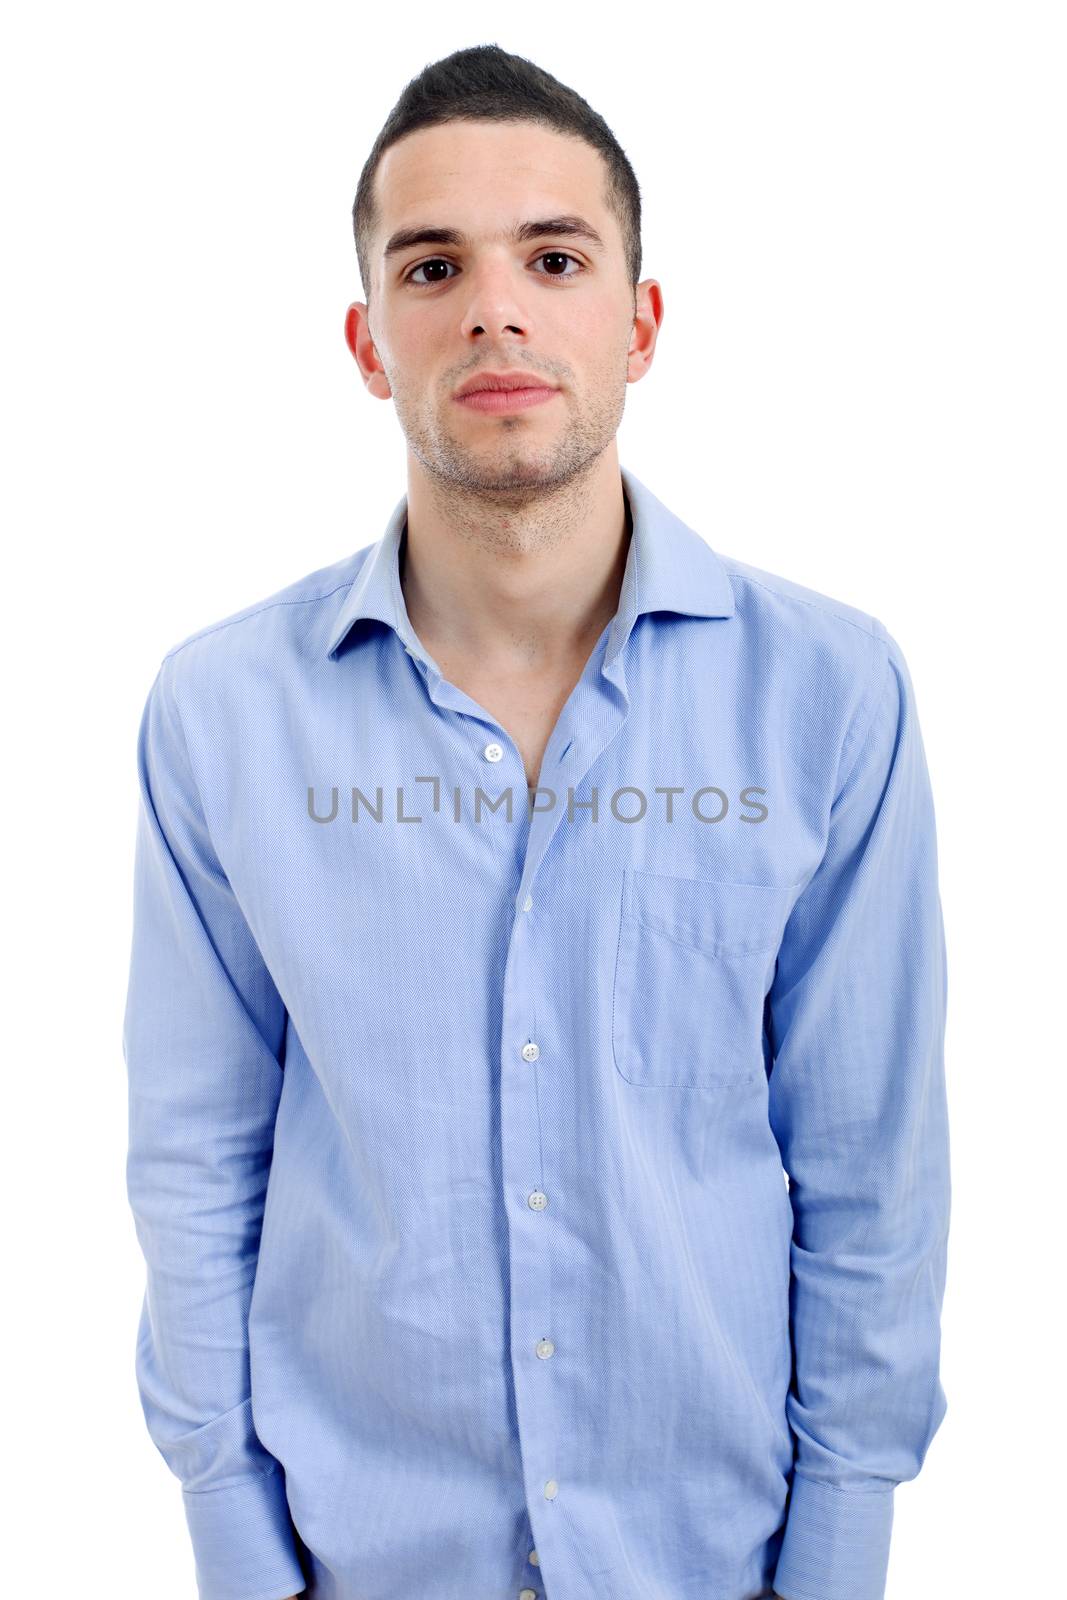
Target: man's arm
856, 1019
203, 1037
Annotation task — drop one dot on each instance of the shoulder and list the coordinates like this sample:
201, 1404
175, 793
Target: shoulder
838, 665
798, 611
809, 631
270, 634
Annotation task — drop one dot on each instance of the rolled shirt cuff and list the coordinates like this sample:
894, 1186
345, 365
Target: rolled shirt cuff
836, 1542
243, 1540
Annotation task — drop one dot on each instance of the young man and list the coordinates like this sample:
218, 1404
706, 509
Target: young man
549, 1199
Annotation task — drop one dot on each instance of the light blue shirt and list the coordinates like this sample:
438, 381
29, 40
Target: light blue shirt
548, 1205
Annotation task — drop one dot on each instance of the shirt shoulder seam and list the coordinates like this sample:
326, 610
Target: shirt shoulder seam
828, 606
246, 616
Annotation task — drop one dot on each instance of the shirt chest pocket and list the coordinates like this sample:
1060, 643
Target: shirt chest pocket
694, 962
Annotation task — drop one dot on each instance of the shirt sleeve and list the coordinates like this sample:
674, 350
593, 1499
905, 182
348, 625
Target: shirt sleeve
856, 1017
203, 1039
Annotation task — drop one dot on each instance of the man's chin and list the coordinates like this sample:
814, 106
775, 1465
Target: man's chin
512, 475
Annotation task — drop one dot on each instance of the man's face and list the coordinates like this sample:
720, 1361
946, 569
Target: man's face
556, 305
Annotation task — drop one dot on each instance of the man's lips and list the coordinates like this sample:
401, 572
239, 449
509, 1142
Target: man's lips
495, 400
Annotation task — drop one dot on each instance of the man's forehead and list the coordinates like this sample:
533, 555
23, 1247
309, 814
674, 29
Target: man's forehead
535, 167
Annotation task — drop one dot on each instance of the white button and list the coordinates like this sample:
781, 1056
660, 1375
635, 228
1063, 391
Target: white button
530, 1052
537, 1201
544, 1348
527, 904
551, 1489
493, 752
534, 1558
527, 1594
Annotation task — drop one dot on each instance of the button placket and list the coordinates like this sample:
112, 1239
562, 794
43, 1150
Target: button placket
521, 1109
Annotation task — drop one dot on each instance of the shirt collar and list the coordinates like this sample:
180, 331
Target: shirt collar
669, 567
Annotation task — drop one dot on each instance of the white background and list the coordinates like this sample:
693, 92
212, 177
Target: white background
856, 214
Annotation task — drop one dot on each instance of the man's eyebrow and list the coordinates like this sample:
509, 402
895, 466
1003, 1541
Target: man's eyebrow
567, 227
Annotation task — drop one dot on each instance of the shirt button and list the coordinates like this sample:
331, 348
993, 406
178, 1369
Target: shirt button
530, 1052
527, 905
527, 1594
534, 1558
493, 752
551, 1489
537, 1201
544, 1348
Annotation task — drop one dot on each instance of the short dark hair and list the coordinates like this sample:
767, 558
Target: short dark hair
487, 84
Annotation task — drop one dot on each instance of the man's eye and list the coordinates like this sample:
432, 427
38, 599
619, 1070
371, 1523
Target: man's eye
437, 262
425, 266
559, 255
